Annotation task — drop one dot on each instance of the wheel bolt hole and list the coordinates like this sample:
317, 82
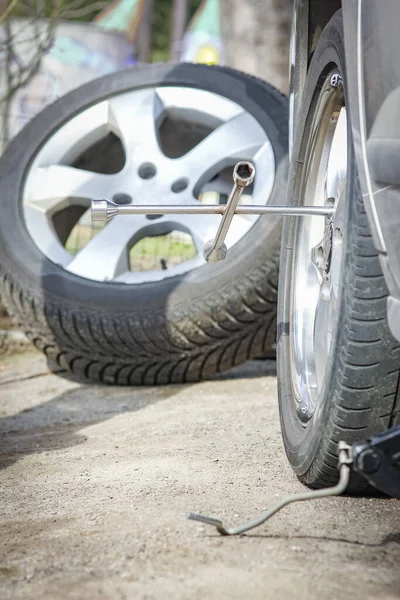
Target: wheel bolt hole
153, 217
122, 198
325, 289
147, 171
320, 256
244, 171
180, 185
338, 237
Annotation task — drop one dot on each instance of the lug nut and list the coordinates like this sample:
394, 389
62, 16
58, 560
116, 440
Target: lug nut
336, 80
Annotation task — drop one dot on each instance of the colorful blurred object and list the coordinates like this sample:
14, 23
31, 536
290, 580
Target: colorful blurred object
78, 52
208, 55
123, 16
202, 42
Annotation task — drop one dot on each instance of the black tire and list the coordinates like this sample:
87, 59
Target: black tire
362, 374
180, 329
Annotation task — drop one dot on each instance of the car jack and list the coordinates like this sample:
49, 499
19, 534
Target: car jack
377, 460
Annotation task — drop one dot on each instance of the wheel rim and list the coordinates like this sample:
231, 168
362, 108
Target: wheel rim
317, 255
57, 194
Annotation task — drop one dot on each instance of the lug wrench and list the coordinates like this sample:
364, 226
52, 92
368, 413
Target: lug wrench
243, 175
215, 249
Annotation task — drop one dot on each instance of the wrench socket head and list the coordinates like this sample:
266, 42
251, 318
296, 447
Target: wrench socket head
243, 173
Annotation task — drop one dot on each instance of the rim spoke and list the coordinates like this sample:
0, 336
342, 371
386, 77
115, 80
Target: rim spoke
264, 161
106, 256
306, 296
337, 161
238, 138
168, 197
322, 332
219, 186
135, 119
49, 242
201, 230
57, 186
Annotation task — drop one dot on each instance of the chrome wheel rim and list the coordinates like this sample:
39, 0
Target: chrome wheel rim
318, 248
148, 175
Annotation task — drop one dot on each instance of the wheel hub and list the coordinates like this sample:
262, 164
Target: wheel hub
176, 146
321, 254
317, 254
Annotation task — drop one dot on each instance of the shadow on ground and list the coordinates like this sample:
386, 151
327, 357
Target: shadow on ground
55, 424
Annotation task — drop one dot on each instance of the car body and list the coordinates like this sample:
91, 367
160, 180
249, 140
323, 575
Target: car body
373, 82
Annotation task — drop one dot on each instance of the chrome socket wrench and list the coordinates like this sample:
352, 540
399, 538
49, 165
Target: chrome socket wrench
243, 175
104, 210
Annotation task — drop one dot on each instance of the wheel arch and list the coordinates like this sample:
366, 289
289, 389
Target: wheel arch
309, 20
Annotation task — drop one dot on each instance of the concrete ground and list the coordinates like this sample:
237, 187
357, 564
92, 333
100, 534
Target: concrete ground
95, 482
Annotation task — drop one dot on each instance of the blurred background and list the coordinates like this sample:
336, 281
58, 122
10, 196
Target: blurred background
47, 47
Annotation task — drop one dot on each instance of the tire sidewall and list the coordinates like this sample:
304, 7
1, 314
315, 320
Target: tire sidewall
302, 443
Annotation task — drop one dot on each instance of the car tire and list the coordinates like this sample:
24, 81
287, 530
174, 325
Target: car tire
356, 394
180, 329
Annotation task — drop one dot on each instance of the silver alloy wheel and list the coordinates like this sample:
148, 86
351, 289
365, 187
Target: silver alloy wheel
317, 256
148, 176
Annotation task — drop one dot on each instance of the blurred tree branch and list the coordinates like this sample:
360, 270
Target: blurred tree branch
179, 22
7, 10
145, 31
41, 18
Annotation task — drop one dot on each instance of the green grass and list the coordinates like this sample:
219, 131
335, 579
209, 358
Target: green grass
145, 255
163, 246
